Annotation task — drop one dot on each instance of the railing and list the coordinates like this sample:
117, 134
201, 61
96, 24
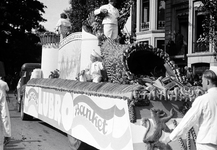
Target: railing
161, 24
144, 25
201, 47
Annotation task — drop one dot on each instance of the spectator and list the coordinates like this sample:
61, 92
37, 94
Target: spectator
179, 41
110, 21
202, 113
5, 116
19, 91
63, 26
1, 123
189, 75
196, 80
171, 47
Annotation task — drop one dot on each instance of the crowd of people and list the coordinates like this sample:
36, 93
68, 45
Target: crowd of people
191, 78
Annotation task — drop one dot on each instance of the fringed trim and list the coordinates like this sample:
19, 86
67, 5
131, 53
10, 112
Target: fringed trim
88, 88
183, 147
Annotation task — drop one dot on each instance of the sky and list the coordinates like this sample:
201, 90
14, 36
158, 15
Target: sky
53, 11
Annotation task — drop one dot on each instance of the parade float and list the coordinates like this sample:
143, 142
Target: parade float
142, 100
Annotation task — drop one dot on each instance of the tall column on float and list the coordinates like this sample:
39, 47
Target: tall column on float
50, 47
89, 43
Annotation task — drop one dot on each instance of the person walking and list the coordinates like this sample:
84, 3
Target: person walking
5, 116
202, 113
1, 123
110, 21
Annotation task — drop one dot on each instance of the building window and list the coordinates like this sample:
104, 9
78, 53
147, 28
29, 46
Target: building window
161, 14
201, 41
160, 44
199, 68
145, 15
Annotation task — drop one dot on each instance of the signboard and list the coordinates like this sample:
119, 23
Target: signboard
69, 56
102, 122
99, 121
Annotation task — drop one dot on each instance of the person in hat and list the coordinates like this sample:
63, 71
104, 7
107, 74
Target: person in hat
63, 26
110, 21
5, 116
93, 72
95, 67
202, 113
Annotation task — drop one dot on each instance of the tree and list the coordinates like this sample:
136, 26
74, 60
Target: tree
209, 24
20, 19
81, 8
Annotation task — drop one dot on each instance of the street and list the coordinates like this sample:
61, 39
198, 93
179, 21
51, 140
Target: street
33, 135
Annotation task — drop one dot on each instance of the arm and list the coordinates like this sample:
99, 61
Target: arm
57, 26
101, 66
97, 11
6, 87
19, 84
118, 14
189, 120
100, 10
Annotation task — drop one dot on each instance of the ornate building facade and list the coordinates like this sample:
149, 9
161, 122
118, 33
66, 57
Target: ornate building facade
176, 27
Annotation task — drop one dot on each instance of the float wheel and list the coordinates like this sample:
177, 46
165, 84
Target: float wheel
24, 116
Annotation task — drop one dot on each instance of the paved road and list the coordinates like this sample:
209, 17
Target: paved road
33, 135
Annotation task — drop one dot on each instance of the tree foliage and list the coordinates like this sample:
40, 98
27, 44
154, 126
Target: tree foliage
81, 8
20, 19
209, 25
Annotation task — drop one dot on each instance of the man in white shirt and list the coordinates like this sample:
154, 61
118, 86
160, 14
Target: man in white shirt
63, 26
202, 113
110, 21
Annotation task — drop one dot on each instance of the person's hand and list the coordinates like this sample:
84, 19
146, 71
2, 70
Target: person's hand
104, 12
167, 140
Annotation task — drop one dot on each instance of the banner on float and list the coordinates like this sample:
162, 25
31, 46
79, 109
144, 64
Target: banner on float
99, 121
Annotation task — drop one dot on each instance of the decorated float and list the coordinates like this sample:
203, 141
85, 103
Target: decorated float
142, 100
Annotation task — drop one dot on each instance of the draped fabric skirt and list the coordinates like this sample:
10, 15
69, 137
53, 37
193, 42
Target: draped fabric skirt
1, 123
110, 30
5, 117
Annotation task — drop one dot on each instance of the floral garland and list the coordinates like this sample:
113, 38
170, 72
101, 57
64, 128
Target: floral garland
132, 103
88, 88
158, 52
54, 74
